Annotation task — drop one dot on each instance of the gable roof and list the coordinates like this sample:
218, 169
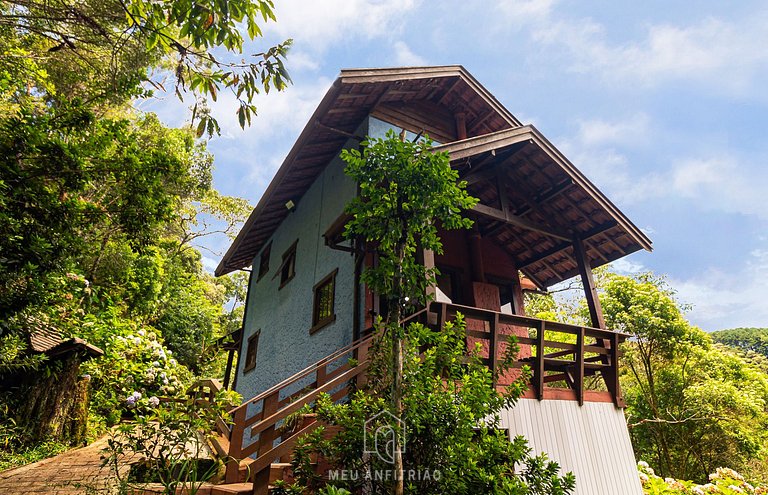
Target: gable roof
542, 187
410, 97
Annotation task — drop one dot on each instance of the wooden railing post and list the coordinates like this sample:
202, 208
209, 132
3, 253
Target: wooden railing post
236, 444
580, 366
442, 316
267, 436
492, 349
613, 377
538, 373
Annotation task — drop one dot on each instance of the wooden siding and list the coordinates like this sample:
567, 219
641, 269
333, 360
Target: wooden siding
592, 441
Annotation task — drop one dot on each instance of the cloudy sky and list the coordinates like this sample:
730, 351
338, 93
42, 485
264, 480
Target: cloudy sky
664, 105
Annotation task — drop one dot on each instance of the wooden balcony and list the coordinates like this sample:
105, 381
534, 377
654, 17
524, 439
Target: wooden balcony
570, 354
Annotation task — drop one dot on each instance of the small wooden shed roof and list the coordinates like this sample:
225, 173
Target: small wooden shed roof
545, 204
46, 339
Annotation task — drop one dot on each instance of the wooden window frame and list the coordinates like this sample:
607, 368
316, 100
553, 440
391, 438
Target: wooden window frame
253, 339
287, 255
264, 261
317, 323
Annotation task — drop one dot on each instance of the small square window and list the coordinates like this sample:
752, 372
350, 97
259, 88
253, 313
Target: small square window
250, 354
323, 308
264, 261
288, 266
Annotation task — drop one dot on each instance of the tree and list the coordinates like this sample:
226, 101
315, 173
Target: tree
101, 51
691, 407
405, 191
747, 339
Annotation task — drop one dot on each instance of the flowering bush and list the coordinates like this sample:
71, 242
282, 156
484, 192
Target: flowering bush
135, 371
723, 481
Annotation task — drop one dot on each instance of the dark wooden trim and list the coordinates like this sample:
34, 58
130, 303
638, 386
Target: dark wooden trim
317, 325
565, 245
268, 251
590, 291
255, 337
291, 251
498, 215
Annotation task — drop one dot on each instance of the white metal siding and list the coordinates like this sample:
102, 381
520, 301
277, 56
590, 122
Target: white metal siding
592, 441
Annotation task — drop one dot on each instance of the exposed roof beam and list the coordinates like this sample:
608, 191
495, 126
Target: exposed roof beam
498, 215
543, 198
565, 245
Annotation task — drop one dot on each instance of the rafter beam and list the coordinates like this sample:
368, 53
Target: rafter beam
500, 216
565, 245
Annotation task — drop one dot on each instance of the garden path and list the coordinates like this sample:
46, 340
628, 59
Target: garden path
76, 471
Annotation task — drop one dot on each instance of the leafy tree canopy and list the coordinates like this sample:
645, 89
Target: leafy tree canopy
101, 51
747, 339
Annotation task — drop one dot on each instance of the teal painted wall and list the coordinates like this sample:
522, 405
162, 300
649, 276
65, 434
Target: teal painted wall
284, 316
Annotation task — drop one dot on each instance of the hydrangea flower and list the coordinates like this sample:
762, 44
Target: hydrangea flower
154, 401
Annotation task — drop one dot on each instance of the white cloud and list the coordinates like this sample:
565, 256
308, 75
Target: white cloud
725, 181
632, 131
520, 12
721, 182
258, 150
315, 25
598, 147
626, 266
278, 112
729, 55
404, 56
728, 299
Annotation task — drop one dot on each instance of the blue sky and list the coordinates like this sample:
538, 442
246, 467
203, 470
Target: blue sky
662, 104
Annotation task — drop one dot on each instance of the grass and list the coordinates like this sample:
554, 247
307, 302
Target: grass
10, 459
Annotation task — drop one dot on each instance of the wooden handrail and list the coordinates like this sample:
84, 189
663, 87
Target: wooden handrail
569, 362
527, 321
314, 366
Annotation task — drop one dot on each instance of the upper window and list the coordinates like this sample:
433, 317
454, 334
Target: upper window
288, 266
250, 354
264, 261
325, 295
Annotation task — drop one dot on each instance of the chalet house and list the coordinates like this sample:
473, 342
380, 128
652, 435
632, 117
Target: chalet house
307, 310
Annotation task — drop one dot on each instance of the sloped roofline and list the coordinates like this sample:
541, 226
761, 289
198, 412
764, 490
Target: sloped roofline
474, 145
349, 76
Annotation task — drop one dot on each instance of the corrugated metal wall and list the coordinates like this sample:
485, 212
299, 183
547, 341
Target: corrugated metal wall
592, 441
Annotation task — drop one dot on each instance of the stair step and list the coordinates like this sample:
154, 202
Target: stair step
221, 445
233, 489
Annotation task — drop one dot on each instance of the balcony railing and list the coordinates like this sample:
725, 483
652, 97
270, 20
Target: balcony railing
569, 353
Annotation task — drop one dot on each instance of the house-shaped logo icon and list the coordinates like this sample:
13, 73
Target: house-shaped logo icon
381, 431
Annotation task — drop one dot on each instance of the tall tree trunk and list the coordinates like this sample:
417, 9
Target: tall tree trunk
393, 317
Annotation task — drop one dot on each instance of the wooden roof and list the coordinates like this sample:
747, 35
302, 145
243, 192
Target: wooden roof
534, 203
46, 339
545, 204
416, 98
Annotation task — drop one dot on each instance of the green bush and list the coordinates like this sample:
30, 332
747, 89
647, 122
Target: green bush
723, 481
135, 366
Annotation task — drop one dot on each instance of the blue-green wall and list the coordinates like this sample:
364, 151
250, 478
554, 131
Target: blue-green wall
284, 316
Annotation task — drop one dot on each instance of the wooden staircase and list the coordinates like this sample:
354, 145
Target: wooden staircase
258, 444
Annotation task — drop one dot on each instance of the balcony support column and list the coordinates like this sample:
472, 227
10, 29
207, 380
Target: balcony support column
590, 291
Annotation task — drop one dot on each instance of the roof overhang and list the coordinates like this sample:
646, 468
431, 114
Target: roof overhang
409, 97
535, 203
